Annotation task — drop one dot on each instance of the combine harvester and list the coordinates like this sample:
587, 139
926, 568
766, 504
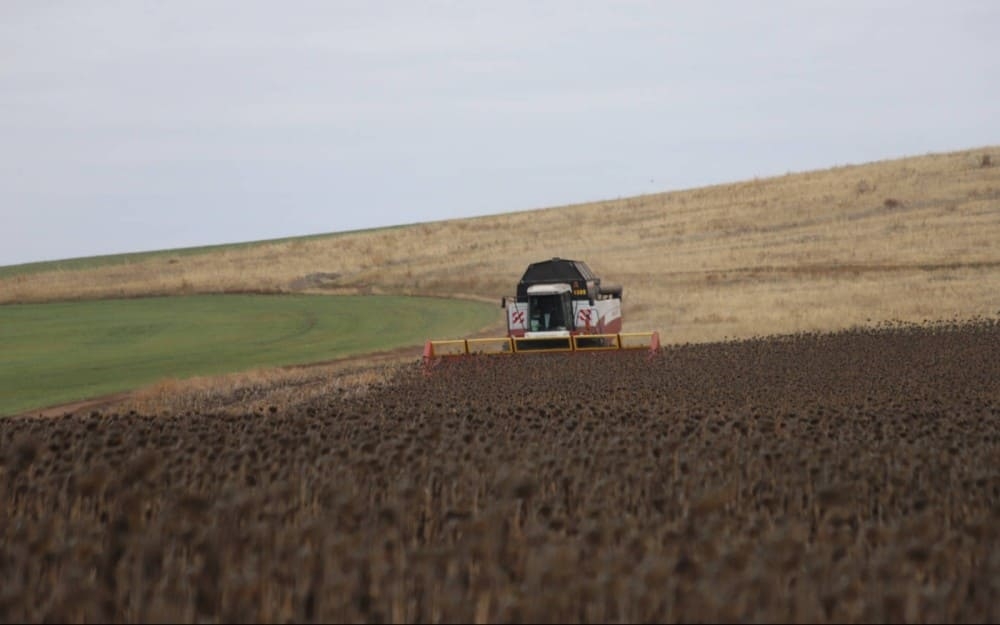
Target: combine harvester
561, 306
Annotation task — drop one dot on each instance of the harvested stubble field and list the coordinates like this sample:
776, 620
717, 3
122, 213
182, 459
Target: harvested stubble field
841, 477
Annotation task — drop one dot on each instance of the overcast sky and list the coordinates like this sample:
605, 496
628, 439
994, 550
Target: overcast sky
140, 125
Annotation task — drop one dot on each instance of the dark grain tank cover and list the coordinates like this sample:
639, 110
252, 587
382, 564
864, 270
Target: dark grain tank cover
557, 270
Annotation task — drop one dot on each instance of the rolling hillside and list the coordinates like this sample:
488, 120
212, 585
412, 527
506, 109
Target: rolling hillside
908, 239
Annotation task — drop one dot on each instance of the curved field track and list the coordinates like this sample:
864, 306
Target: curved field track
847, 477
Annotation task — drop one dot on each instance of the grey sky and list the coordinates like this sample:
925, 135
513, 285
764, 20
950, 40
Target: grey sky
133, 125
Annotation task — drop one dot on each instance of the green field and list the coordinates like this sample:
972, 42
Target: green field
62, 352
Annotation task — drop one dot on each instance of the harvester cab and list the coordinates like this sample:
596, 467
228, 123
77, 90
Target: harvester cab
560, 305
549, 306
549, 311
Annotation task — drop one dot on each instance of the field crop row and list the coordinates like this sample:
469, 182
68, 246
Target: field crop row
842, 477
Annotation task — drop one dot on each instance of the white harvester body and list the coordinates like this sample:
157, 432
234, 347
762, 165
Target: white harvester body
560, 306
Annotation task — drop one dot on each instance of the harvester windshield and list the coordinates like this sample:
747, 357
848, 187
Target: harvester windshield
549, 307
